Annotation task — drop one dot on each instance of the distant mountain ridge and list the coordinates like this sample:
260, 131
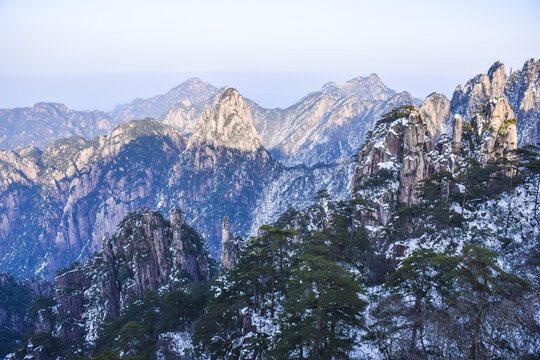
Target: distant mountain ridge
316, 124
191, 92
319, 123
43, 123
56, 204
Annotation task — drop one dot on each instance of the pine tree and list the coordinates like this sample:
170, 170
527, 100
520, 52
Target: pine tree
322, 306
419, 281
480, 285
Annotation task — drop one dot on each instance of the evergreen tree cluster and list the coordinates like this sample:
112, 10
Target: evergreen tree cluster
318, 284
330, 293
290, 296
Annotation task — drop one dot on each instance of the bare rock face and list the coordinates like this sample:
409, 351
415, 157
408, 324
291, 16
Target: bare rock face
457, 133
502, 129
392, 164
229, 246
523, 93
183, 116
414, 165
435, 111
227, 123
521, 89
146, 253
188, 250
478, 91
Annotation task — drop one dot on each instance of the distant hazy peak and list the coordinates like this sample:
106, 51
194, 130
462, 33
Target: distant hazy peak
368, 88
227, 122
44, 104
191, 91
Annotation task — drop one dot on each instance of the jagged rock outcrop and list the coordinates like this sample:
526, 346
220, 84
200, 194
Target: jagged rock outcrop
415, 166
435, 111
393, 162
523, 93
521, 89
229, 246
402, 152
475, 94
146, 253
501, 126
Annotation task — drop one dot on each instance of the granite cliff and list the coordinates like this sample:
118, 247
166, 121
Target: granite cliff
146, 253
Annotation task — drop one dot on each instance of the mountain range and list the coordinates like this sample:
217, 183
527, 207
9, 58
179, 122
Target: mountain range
210, 152
424, 244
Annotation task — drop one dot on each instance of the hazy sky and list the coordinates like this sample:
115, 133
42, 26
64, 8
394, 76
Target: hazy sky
95, 54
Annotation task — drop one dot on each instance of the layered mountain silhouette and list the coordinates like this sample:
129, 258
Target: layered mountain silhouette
210, 152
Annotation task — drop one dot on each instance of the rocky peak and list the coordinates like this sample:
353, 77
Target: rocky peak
193, 90
523, 93
497, 78
227, 123
399, 154
469, 99
435, 111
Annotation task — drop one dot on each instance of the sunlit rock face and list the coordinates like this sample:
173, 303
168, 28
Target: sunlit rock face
521, 88
227, 123
523, 93
328, 125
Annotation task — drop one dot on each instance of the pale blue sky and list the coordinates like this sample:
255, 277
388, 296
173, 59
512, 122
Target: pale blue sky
94, 54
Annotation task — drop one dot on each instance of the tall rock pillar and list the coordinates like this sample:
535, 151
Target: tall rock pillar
458, 129
229, 246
